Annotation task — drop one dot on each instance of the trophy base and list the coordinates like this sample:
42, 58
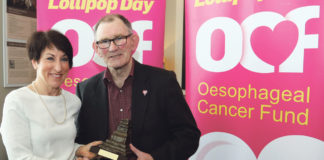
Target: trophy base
106, 154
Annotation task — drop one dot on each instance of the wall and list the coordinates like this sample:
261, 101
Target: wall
3, 91
173, 40
172, 46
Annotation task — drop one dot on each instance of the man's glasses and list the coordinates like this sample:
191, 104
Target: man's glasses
119, 41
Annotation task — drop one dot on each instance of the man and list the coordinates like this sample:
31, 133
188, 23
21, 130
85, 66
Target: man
163, 127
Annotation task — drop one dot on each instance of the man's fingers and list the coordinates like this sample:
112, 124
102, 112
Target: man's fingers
140, 154
134, 149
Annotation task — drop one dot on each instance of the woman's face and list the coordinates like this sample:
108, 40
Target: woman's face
52, 68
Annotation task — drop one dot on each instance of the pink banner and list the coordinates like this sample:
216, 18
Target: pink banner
255, 78
76, 19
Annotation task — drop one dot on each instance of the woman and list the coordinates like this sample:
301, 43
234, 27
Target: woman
39, 119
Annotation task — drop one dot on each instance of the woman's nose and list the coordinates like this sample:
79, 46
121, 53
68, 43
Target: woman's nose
58, 66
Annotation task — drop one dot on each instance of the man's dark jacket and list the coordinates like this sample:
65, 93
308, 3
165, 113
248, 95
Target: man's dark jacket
162, 122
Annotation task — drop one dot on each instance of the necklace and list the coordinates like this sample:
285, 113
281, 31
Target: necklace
34, 87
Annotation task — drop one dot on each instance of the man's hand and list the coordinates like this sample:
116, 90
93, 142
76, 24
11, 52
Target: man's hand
83, 152
140, 155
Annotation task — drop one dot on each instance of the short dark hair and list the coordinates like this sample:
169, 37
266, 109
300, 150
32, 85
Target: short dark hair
110, 18
40, 40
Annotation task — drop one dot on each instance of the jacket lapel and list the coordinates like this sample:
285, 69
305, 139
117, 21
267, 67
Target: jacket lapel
101, 99
140, 97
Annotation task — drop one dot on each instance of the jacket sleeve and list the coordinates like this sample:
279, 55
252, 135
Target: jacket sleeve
185, 134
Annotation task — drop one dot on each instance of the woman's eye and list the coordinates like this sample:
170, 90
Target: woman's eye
50, 58
65, 59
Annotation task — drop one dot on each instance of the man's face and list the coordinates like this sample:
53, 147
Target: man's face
115, 56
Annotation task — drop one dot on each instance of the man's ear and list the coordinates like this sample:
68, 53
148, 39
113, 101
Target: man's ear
135, 41
34, 63
95, 47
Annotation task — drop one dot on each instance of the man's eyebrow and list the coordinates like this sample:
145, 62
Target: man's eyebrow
105, 39
109, 39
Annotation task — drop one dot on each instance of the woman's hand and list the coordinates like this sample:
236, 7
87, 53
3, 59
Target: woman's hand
83, 152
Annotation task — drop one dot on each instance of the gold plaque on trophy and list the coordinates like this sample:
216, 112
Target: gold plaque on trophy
117, 146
